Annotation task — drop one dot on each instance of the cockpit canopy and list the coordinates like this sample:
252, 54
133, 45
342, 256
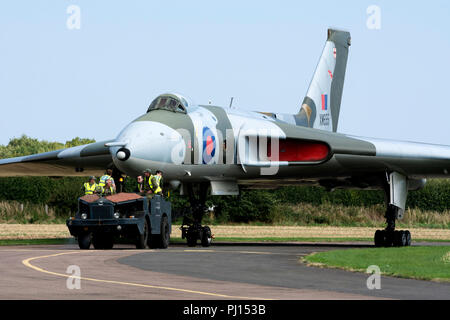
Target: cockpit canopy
171, 102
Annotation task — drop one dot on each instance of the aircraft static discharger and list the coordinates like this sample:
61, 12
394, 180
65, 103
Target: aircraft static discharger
205, 147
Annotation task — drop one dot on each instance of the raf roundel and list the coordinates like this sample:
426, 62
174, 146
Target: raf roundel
209, 145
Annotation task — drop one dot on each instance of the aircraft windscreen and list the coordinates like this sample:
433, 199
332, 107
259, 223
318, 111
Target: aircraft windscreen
167, 103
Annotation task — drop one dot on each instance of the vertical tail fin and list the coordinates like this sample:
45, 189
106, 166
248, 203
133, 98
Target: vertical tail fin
321, 106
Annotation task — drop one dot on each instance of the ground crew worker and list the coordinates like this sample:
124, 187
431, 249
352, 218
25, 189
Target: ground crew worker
108, 189
105, 177
90, 187
157, 182
147, 187
140, 185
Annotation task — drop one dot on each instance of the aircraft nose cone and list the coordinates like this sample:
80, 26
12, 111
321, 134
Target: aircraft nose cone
123, 154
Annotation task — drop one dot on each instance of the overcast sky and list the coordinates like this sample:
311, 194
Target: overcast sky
58, 83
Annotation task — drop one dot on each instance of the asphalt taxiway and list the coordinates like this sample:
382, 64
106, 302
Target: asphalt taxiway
230, 271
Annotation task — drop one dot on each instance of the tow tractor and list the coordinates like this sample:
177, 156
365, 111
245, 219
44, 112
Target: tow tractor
124, 218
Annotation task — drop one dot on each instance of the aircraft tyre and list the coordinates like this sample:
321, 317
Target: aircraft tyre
379, 238
397, 238
192, 236
191, 241
206, 236
408, 238
403, 238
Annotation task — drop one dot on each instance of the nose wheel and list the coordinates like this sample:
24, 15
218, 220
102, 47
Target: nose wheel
192, 229
194, 233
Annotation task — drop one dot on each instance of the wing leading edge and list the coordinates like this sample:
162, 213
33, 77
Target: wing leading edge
90, 159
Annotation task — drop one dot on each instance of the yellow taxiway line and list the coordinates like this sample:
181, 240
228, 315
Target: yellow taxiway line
27, 263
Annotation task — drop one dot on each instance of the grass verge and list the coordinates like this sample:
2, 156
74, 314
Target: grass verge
425, 263
15, 242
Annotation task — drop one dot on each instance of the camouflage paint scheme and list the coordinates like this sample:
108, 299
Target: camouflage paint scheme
194, 153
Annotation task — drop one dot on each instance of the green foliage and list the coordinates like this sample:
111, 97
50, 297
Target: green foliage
65, 194
15, 212
435, 196
267, 206
130, 185
78, 142
305, 214
340, 207
25, 145
26, 189
304, 205
318, 195
253, 205
59, 193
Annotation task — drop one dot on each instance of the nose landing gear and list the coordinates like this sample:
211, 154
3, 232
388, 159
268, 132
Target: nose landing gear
196, 232
192, 229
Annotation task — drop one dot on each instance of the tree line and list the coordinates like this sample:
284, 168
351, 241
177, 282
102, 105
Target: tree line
61, 193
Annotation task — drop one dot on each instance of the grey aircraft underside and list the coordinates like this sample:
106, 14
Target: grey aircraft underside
202, 147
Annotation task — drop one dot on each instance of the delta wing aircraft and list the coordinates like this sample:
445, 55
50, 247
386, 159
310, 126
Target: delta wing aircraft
205, 148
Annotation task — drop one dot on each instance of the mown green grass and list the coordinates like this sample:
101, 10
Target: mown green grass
426, 263
15, 242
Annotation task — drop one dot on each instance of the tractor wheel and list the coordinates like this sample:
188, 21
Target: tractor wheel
84, 241
165, 233
142, 239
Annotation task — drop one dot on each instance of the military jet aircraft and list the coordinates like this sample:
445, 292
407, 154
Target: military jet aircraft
204, 147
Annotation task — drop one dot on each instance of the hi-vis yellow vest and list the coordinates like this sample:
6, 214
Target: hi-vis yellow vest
147, 185
158, 180
105, 191
103, 179
89, 189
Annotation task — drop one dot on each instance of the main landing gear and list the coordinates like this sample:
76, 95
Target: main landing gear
192, 229
389, 236
396, 190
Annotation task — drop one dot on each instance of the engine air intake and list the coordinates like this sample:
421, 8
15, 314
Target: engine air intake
293, 150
